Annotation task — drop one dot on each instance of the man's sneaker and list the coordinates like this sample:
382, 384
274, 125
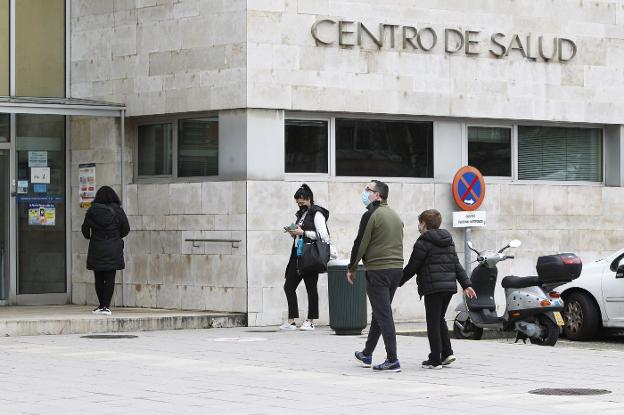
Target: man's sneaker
106, 311
307, 325
288, 326
97, 310
448, 360
428, 364
367, 361
388, 366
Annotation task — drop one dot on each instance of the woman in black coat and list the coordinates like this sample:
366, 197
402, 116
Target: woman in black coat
104, 225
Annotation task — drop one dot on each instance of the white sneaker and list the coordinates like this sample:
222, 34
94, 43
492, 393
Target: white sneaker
97, 310
106, 311
448, 360
307, 326
288, 326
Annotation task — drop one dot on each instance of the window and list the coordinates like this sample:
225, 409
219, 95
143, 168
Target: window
40, 48
5, 34
198, 147
178, 148
384, 148
5, 122
306, 146
489, 150
558, 153
155, 150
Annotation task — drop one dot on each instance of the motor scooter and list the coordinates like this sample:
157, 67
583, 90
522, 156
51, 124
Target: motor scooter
533, 307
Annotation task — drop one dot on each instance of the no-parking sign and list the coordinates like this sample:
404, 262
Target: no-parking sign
468, 188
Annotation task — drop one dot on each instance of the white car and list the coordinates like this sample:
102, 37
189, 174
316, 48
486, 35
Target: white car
595, 299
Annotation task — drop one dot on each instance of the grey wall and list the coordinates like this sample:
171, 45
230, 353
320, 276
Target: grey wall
286, 69
233, 145
163, 268
160, 56
447, 153
265, 145
189, 55
251, 144
614, 155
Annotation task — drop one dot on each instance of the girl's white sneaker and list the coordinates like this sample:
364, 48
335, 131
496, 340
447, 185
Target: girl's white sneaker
307, 325
288, 326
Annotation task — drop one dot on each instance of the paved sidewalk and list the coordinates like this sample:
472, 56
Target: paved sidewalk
264, 371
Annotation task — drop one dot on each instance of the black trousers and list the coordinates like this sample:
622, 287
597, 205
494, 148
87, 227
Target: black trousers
293, 279
105, 287
380, 287
437, 330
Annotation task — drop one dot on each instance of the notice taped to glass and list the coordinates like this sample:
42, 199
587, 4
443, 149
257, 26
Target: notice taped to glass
86, 180
41, 215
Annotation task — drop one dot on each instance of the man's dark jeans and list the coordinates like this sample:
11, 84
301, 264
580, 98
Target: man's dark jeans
380, 287
437, 330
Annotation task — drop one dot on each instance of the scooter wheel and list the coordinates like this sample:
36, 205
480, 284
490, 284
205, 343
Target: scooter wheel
551, 332
466, 330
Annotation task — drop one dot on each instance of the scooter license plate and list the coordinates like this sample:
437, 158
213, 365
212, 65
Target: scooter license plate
558, 318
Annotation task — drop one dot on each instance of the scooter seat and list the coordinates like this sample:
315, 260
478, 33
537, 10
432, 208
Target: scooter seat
511, 281
481, 303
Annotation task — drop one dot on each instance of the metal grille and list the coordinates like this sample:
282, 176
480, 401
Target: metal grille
109, 336
569, 391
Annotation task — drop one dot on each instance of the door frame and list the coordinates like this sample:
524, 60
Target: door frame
46, 298
7, 235
61, 106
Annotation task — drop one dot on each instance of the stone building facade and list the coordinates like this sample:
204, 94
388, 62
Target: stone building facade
253, 66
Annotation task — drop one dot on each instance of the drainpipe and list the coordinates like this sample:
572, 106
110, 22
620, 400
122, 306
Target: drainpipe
123, 192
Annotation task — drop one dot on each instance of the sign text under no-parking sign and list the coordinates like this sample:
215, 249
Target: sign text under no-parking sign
468, 219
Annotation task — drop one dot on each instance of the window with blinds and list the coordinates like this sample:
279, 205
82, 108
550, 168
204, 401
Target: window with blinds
558, 153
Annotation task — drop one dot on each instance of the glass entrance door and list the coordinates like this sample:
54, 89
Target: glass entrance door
40, 159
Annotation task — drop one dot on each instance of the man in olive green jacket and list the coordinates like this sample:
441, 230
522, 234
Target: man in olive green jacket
379, 243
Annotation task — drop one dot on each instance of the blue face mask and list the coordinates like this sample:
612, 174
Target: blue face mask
365, 200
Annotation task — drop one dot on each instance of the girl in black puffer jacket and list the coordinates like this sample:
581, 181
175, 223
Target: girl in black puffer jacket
104, 225
435, 261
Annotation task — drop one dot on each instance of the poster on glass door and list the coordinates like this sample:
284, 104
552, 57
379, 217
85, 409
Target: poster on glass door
41, 215
86, 180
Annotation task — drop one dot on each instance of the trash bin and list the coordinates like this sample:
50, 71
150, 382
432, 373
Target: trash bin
347, 303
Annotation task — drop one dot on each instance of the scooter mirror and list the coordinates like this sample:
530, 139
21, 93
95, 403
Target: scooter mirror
515, 243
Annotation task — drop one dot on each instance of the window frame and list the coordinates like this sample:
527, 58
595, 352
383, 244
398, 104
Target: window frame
514, 151
173, 178
331, 176
464, 123
513, 143
562, 182
414, 120
330, 147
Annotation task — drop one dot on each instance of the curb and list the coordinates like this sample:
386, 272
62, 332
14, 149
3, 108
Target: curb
30, 327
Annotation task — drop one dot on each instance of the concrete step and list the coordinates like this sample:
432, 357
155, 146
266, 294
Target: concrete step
73, 319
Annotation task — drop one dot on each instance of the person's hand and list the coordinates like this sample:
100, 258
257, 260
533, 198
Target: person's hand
351, 277
470, 293
296, 232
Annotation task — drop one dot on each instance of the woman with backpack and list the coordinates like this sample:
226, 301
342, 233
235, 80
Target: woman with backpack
105, 225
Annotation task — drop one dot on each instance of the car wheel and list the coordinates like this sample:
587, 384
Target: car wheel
581, 317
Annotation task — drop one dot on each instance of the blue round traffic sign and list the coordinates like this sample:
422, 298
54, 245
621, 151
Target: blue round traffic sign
468, 188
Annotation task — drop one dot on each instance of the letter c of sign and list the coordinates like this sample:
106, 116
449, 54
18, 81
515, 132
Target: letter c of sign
315, 31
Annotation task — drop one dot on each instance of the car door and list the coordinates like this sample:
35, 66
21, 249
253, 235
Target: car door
613, 290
